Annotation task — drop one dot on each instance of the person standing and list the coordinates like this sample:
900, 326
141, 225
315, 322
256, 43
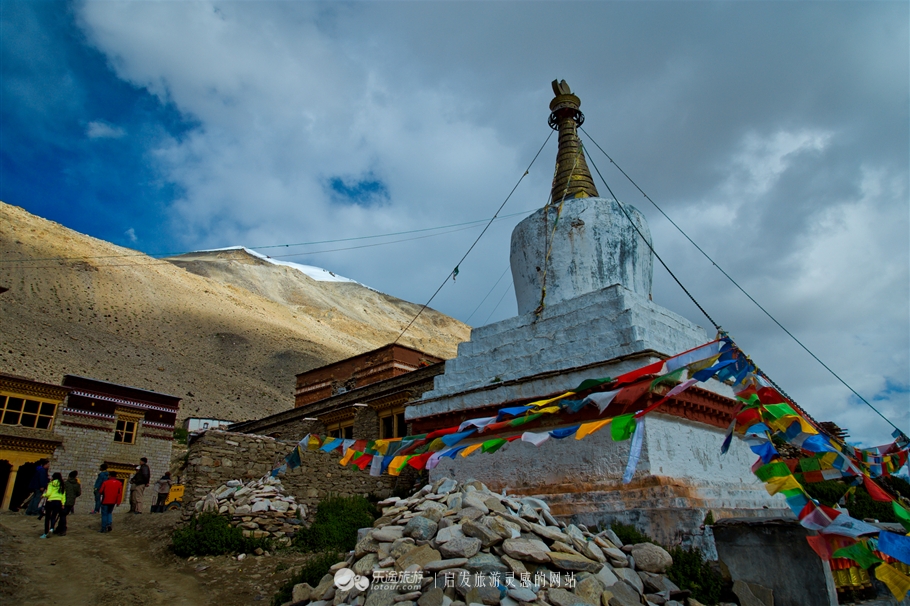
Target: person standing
102, 476
38, 485
111, 492
72, 489
163, 488
55, 494
138, 483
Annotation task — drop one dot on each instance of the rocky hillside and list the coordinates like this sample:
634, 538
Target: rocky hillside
226, 331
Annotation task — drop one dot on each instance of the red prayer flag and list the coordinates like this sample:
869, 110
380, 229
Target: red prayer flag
820, 545
420, 461
363, 460
650, 369
748, 418
875, 491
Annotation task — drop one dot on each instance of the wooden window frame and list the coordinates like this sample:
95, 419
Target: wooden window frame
399, 425
124, 431
42, 410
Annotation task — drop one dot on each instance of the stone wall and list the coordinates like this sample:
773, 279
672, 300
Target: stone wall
88, 441
218, 456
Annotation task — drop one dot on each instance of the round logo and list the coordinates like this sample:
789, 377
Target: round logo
346, 579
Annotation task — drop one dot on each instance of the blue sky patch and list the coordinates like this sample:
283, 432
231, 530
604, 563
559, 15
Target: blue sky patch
366, 191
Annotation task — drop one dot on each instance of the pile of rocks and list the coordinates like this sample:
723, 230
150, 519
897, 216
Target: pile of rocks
261, 508
463, 545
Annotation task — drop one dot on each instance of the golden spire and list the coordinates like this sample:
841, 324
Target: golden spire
572, 178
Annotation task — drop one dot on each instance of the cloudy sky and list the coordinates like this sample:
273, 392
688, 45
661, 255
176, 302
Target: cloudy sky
774, 133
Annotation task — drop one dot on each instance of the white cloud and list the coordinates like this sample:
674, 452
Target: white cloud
99, 129
131, 235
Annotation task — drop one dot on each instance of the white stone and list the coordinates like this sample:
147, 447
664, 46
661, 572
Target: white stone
260, 506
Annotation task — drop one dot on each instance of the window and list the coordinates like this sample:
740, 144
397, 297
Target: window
343, 432
125, 431
392, 423
27, 413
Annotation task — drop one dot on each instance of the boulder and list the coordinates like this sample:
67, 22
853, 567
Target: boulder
450, 532
631, 577
622, 594
388, 534
301, 592
527, 550
419, 555
575, 563
485, 563
461, 547
589, 590
651, 558
487, 536
420, 528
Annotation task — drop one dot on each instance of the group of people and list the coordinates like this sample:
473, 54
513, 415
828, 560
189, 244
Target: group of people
54, 498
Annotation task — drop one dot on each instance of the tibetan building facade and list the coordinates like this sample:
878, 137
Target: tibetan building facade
364, 396
29, 414
108, 423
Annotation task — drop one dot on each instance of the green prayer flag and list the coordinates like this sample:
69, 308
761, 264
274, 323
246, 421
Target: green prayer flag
622, 427
792, 492
522, 420
780, 410
810, 464
493, 445
777, 469
592, 383
859, 553
672, 377
903, 516
752, 400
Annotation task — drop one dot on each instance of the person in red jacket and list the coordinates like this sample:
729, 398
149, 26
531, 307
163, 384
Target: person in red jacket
111, 493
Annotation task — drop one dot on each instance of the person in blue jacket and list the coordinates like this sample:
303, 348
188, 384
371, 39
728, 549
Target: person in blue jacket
102, 476
38, 485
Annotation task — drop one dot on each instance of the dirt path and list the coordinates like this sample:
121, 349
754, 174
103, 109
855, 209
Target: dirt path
131, 565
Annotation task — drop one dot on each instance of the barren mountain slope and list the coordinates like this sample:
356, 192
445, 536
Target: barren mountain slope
118, 315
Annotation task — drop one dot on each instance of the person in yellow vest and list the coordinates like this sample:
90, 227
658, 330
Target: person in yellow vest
55, 495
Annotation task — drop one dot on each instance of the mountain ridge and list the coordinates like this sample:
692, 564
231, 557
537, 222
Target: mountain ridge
225, 330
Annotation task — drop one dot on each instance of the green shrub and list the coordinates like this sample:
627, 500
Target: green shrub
212, 534
628, 534
691, 571
312, 572
180, 435
336, 523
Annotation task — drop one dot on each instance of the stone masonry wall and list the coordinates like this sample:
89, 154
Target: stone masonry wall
89, 441
218, 456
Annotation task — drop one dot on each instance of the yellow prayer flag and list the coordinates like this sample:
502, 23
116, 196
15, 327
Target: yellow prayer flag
775, 485
897, 582
549, 400
586, 429
827, 459
396, 465
381, 446
348, 456
806, 426
470, 449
